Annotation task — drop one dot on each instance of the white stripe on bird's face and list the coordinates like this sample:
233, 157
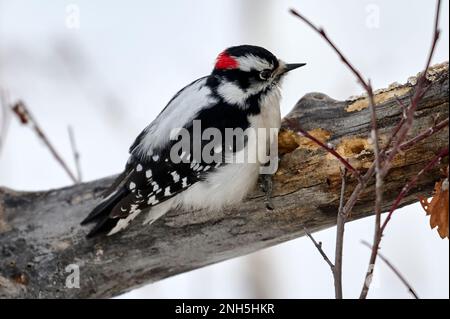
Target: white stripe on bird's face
250, 62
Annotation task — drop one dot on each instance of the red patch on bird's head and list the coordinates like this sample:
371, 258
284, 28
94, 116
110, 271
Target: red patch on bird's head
225, 61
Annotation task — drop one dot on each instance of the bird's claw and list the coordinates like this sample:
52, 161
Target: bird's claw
266, 186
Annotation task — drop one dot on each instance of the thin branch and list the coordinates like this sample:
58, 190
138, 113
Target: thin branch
374, 133
424, 135
340, 228
319, 248
443, 153
371, 171
396, 129
76, 154
25, 117
368, 88
327, 148
436, 160
418, 94
401, 131
395, 270
336, 268
392, 136
322, 32
378, 176
404, 146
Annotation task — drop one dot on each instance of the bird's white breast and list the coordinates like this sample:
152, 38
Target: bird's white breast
231, 183
270, 116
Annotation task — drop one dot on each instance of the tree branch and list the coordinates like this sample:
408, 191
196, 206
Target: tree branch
319, 249
395, 271
340, 229
25, 117
419, 91
40, 235
76, 154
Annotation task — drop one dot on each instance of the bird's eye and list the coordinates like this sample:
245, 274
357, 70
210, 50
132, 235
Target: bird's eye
265, 74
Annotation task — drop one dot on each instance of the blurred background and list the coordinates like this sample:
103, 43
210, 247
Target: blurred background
107, 68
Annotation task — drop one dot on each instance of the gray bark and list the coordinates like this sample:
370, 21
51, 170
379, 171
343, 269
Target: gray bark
40, 233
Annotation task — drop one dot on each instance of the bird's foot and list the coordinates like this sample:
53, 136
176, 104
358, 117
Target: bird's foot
265, 182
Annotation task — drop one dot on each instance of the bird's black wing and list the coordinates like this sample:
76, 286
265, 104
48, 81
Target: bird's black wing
147, 183
150, 179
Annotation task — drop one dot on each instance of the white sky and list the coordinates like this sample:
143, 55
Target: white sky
112, 76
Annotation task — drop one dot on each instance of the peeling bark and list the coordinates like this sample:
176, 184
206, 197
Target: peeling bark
40, 235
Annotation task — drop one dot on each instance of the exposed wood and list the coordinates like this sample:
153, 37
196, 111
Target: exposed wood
40, 233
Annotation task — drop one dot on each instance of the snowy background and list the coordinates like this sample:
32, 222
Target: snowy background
108, 67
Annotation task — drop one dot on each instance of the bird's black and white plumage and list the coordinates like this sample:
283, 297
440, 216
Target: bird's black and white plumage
242, 92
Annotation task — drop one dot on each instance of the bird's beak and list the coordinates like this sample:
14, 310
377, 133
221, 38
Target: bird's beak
292, 66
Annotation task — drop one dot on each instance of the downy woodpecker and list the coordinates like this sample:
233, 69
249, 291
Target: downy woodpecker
182, 160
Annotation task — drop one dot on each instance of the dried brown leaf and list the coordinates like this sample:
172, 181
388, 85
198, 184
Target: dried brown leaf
437, 208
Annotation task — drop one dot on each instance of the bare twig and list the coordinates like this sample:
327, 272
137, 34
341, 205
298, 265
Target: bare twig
330, 150
374, 132
336, 268
340, 228
374, 135
322, 32
404, 146
424, 135
319, 248
418, 94
394, 131
395, 270
25, 117
370, 172
442, 154
76, 154
378, 176
399, 134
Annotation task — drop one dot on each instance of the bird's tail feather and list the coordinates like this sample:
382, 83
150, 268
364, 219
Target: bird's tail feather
101, 213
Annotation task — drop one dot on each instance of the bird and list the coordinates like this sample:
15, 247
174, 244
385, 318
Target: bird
181, 160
